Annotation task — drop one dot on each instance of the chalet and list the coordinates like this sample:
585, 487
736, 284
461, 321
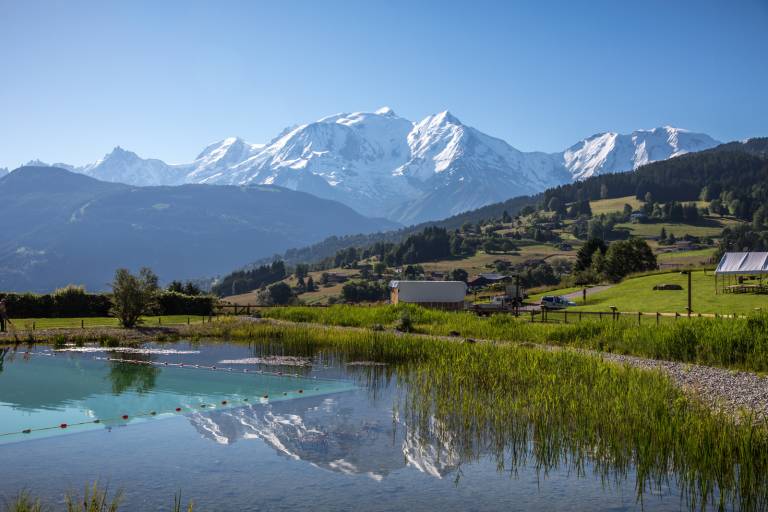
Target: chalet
433, 294
486, 279
333, 277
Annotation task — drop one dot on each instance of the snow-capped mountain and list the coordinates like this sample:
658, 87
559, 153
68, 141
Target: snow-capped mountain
384, 165
123, 166
614, 152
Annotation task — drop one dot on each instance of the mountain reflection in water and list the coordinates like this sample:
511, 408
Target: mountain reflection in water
337, 433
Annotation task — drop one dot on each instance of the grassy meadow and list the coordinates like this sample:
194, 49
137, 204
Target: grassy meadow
637, 294
105, 321
614, 205
712, 226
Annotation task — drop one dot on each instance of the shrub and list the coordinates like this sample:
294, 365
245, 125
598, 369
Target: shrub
175, 303
132, 296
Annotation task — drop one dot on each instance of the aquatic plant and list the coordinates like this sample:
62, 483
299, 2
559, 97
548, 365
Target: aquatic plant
741, 343
549, 409
94, 499
24, 502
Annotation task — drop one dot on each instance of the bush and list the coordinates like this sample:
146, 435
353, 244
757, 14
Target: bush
175, 303
66, 302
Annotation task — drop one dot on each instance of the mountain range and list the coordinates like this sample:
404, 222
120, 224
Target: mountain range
383, 165
61, 227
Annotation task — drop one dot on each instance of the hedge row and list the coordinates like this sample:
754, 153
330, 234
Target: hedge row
71, 304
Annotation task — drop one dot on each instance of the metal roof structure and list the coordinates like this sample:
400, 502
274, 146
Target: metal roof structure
743, 263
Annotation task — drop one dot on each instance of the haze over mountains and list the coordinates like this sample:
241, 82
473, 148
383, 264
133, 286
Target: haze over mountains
67, 228
383, 165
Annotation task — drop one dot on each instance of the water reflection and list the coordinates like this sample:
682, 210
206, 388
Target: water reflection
138, 375
348, 433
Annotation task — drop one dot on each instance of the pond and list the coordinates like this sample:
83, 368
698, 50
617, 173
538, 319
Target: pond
232, 428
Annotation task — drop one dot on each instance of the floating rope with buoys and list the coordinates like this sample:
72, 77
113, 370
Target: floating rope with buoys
195, 366
232, 402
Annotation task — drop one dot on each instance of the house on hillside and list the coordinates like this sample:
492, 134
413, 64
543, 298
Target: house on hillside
433, 294
486, 279
742, 272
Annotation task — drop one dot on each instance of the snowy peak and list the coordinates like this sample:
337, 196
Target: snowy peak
216, 159
613, 152
381, 164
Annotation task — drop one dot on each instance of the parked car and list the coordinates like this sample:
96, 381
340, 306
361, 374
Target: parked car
555, 302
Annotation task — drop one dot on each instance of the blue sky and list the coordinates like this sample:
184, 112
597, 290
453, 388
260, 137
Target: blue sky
166, 78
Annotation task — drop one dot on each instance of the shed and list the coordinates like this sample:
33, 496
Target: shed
742, 272
435, 294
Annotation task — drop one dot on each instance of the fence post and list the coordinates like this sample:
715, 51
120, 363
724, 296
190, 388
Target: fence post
82, 323
159, 320
658, 317
565, 316
600, 315
579, 316
639, 314
33, 325
187, 320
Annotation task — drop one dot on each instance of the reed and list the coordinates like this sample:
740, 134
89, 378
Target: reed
24, 502
549, 409
740, 344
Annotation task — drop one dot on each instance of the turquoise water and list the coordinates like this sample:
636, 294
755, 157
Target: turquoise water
48, 393
340, 444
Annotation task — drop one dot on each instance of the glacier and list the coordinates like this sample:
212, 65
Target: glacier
384, 165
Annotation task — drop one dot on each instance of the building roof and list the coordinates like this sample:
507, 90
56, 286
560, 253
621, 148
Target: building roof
491, 276
743, 263
430, 291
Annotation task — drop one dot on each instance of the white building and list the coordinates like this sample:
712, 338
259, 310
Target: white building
435, 294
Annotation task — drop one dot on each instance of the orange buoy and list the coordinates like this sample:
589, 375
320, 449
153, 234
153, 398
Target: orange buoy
178, 409
63, 425
125, 416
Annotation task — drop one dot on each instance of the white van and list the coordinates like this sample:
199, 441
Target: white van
555, 302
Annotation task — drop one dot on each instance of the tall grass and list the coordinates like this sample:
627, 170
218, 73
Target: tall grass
24, 502
94, 499
741, 343
550, 409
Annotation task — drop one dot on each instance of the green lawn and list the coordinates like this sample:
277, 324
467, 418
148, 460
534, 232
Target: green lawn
637, 294
58, 323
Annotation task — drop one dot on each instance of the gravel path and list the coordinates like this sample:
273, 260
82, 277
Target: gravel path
723, 390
